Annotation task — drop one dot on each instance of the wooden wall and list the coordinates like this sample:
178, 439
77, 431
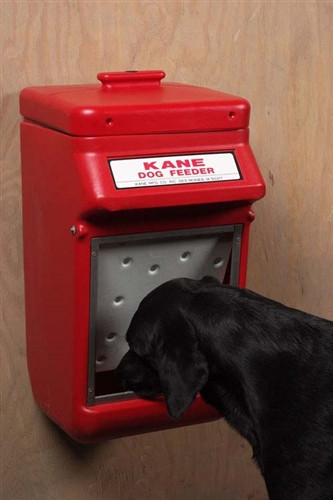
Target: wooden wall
276, 54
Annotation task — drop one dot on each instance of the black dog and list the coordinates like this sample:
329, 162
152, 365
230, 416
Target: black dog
266, 367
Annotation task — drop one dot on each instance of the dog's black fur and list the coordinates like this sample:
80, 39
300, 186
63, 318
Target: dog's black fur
266, 367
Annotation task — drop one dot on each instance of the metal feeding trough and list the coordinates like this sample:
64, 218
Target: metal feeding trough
126, 269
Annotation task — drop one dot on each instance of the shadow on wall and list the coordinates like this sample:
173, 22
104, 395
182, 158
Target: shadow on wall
78, 451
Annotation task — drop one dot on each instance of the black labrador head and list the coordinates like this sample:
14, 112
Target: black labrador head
164, 355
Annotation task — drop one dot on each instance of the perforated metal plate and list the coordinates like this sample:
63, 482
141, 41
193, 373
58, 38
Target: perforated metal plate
126, 268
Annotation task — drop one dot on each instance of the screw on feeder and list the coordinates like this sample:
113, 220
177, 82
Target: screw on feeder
79, 230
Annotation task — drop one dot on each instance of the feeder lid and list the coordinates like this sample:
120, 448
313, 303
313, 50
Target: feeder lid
129, 103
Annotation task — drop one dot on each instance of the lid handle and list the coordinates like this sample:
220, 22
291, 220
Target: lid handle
129, 78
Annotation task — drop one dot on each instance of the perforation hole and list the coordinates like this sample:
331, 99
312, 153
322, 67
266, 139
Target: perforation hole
118, 301
100, 359
218, 262
154, 269
127, 261
185, 256
111, 336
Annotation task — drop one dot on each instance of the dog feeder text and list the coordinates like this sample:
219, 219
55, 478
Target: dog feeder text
193, 166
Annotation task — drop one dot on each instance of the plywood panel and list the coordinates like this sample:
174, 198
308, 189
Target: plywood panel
276, 54
292, 130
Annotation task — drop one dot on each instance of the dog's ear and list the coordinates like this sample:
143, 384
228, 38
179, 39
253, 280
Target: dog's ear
182, 368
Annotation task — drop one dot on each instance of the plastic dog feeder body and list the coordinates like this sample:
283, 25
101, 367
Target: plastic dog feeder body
125, 185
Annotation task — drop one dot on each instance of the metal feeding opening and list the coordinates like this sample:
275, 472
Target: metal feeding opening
124, 269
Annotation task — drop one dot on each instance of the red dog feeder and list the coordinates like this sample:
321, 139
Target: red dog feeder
126, 185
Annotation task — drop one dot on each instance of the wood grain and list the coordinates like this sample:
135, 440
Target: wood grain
276, 54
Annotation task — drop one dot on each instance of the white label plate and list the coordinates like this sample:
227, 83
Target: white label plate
175, 169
